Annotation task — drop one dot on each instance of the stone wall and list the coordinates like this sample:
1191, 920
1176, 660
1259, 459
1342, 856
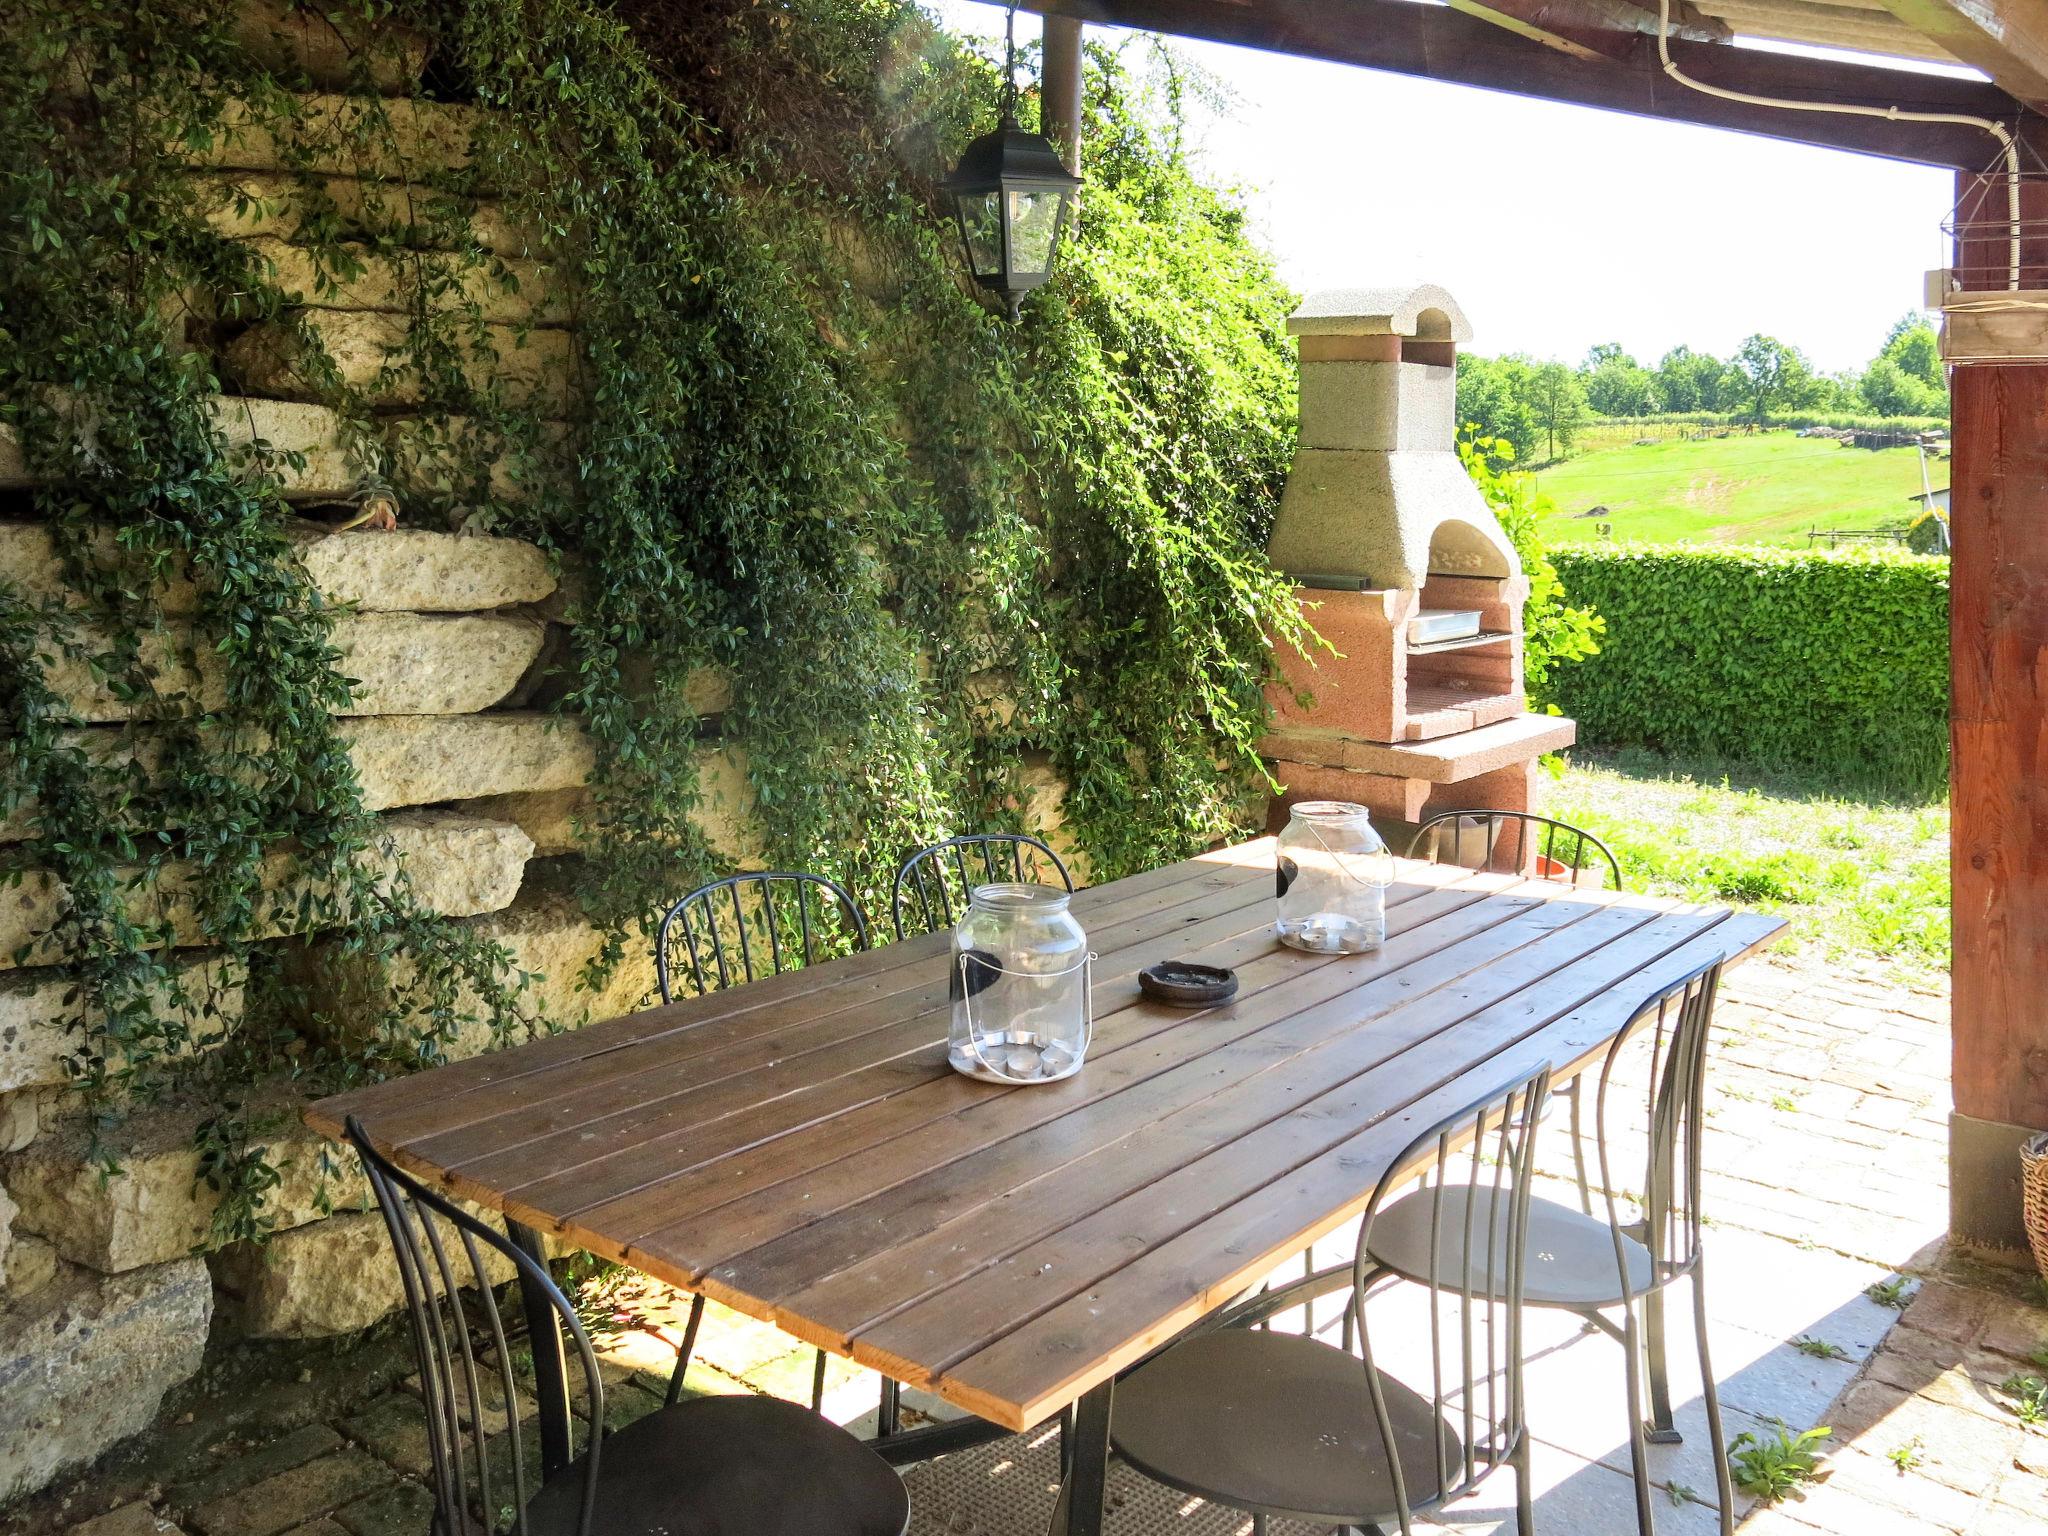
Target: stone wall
477, 785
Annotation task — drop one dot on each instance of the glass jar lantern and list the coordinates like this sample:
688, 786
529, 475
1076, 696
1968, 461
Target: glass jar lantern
1019, 986
1332, 879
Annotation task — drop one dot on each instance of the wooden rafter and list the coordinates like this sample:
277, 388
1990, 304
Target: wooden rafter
2007, 39
1436, 43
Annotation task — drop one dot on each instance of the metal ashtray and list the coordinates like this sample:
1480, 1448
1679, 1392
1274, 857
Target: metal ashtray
1185, 984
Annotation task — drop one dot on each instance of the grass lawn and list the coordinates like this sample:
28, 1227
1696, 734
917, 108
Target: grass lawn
1764, 488
1852, 876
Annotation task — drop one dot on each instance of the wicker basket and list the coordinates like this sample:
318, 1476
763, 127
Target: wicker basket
2034, 1196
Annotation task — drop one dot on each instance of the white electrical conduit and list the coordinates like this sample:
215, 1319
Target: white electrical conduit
2007, 144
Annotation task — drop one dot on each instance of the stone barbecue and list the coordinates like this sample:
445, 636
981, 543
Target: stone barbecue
1403, 568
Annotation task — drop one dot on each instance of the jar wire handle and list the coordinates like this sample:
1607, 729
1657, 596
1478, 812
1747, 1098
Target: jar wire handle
1342, 860
974, 1031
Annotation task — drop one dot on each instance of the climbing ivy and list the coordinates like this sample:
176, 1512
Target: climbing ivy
807, 466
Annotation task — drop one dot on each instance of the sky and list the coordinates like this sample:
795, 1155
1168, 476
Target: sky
1554, 226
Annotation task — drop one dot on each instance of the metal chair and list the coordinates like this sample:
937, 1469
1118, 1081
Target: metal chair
1511, 841
1285, 1425
716, 1464
710, 927
938, 878
1592, 1265
1519, 853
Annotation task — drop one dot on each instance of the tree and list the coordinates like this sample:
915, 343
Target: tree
1617, 387
1602, 353
1690, 381
1913, 349
1888, 390
1558, 404
1773, 374
1493, 398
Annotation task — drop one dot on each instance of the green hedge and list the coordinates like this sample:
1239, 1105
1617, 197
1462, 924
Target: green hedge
1834, 661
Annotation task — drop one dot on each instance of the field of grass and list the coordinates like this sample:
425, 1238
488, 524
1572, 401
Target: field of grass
1853, 877
1761, 488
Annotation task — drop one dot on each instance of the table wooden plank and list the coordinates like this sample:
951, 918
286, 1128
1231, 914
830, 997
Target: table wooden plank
1015, 1289
880, 1257
1034, 1370
800, 1149
1133, 1049
952, 1113
885, 969
584, 1108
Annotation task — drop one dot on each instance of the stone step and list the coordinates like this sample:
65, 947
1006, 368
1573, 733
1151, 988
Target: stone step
339, 135
457, 865
38, 1017
244, 204
348, 1000
399, 570
158, 1207
311, 432
329, 48
368, 351
403, 664
505, 290
1443, 760
400, 760
86, 1359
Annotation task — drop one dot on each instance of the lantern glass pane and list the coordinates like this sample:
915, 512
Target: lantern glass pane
981, 226
1034, 223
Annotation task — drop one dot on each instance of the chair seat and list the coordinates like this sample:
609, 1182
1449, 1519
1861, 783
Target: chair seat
1278, 1424
730, 1466
1571, 1254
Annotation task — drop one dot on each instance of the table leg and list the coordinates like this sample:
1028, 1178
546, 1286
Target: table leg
1082, 1495
550, 1371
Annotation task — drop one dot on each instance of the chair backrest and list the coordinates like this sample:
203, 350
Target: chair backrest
1673, 1023
1517, 842
1477, 1168
448, 1261
933, 883
724, 933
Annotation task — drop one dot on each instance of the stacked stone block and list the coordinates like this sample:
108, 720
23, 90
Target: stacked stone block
478, 786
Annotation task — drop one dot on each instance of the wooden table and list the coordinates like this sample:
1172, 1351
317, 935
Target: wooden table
799, 1150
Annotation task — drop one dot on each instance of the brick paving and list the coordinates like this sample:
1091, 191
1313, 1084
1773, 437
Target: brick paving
1826, 1154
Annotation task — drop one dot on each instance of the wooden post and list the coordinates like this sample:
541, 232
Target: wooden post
1998, 630
1059, 88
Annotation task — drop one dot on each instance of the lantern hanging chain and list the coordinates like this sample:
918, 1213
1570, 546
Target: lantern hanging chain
1010, 67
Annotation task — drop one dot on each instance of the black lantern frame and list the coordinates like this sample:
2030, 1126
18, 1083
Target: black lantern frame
1012, 199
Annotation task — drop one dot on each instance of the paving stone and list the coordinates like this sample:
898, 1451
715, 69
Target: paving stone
306, 1492
394, 1429
405, 1509
129, 1520
222, 1476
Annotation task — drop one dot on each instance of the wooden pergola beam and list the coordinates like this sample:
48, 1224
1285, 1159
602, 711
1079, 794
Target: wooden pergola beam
1589, 29
1437, 43
2007, 39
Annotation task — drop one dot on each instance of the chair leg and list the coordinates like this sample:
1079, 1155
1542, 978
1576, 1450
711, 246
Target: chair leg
1711, 1395
1579, 1148
1661, 1429
1259, 1527
1525, 1505
1638, 1444
889, 1417
818, 1384
689, 1346
1066, 1441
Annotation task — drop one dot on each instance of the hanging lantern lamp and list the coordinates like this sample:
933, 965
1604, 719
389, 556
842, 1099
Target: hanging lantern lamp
1011, 196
